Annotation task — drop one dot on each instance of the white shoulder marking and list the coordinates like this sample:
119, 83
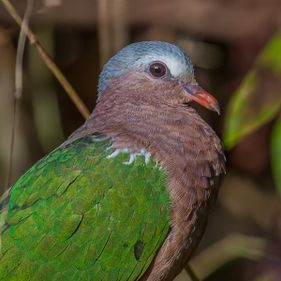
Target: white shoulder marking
132, 158
116, 152
146, 155
132, 155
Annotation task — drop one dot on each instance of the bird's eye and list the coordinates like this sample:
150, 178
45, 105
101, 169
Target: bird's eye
158, 69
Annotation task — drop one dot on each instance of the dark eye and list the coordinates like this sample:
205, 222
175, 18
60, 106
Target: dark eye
158, 69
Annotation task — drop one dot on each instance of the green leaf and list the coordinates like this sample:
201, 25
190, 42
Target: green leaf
271, 55
276, 154
258, 98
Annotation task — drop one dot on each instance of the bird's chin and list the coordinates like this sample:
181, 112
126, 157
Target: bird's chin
188, 107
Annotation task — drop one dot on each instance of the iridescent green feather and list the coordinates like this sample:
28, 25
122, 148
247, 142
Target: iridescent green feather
79, 215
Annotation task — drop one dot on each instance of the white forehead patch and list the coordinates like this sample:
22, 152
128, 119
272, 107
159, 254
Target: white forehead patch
177, 66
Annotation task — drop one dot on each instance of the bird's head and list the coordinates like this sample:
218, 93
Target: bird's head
153, 71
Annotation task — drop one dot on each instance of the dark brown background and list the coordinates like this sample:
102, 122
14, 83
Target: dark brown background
222, 37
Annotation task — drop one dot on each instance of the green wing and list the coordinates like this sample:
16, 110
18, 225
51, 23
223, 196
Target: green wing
79, 215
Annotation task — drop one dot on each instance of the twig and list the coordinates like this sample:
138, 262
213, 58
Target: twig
191, 273
112, 27
18, 87
104, 30
119, 24
46, 58
20, 51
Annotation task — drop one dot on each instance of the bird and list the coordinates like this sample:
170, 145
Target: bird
127, 195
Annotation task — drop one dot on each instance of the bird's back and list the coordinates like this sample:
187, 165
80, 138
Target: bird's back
79, 214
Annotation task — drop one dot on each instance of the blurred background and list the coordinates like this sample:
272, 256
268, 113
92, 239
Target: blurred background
236, 49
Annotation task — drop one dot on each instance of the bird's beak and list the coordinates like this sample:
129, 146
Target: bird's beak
194, 92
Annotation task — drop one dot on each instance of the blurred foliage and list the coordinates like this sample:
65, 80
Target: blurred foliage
244, 114
214, 260
276, 154
256, 102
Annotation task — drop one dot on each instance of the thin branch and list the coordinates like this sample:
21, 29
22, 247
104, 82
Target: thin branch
104, 30
120, 29
18, 86
48, 61
20, 52
191, 273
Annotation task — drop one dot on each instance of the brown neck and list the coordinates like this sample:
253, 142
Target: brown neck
184, 145
180, 141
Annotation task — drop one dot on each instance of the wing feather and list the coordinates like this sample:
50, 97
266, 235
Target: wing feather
78, 215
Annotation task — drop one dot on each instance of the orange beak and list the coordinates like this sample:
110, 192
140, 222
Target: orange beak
195, 93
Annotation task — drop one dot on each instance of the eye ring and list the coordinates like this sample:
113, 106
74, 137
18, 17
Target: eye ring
157, 69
